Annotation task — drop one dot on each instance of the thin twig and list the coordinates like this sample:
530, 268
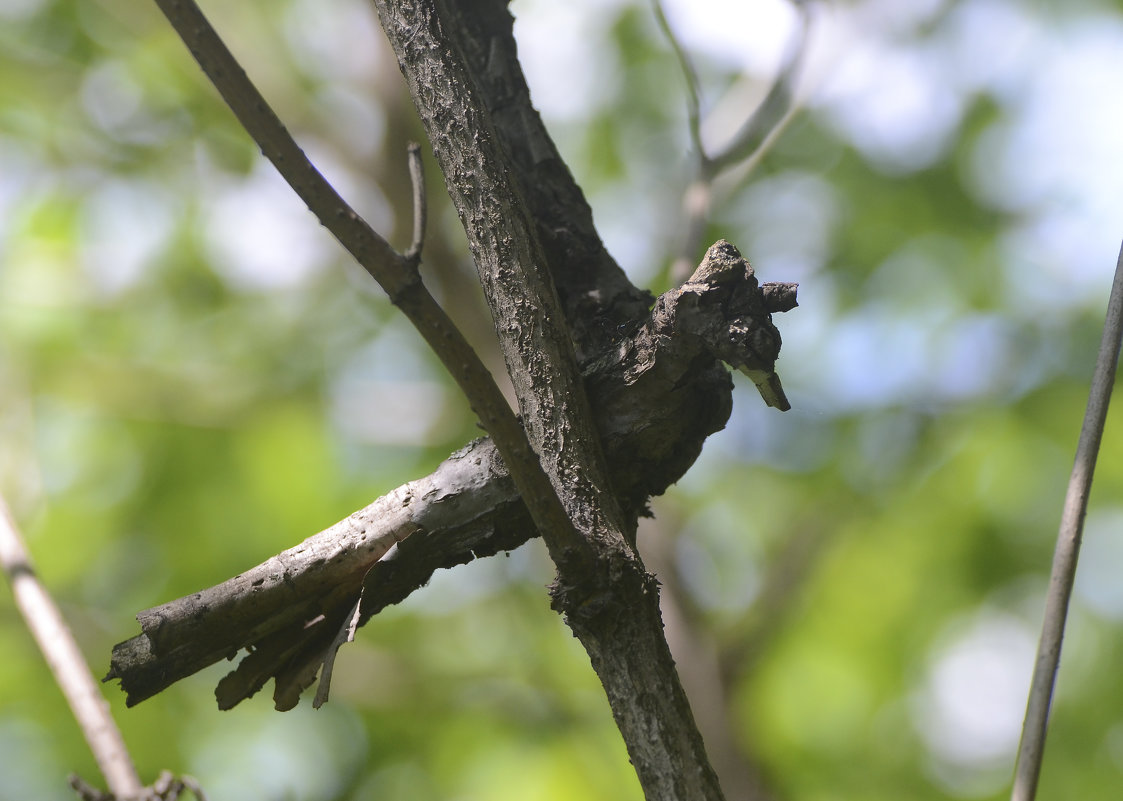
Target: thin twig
747, 148
373, 252
776, 105
693, 104
1032, 747
66, 662
420, 207
697, 198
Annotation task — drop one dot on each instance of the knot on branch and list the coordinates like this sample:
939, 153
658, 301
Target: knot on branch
660, 392
605, 596
723, 305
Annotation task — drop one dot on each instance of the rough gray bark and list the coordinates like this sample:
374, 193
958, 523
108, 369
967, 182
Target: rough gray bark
394, 272
607, 597
531, 325
596, 295
656, 390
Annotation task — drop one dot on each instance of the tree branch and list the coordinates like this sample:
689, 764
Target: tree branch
748, 146
1031, 750
420, 205
597, 296
657, 397
66, 662
529, 320
609, 600
396, 273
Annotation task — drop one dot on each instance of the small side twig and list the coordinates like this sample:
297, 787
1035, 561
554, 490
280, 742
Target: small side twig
167, 787
693, 103
1032, 747
759, 132
393, 271
66, 662
420, 206
756, 134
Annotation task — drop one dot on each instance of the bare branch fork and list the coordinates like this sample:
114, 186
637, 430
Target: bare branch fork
760, 130
468, 508
568, 320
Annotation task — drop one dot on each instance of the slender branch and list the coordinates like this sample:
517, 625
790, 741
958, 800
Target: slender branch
693, 104
1032, 747
777, 104
66, 662
394, 272
748, 147
420, 207
373, 252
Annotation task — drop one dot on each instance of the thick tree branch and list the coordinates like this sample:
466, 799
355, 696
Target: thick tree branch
598, 298
609, 600
532, 329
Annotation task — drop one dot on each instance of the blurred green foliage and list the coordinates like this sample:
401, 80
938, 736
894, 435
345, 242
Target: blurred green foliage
193, 378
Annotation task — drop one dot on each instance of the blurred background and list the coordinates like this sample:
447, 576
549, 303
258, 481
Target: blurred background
192, 378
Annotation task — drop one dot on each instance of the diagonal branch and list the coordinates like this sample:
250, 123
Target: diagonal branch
597, 296
1031, 750
397, 274
693, 101
775, 110
748, 146
609, 600
65, 660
